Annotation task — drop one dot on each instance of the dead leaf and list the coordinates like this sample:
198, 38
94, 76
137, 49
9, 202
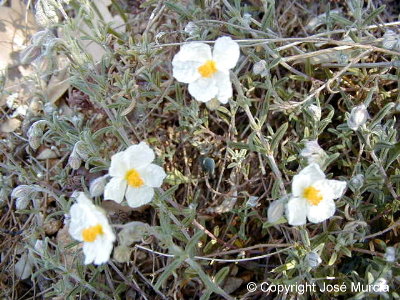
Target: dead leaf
59, 82
10, 125
64, 239
46, 154
232, 284
23, 268
16, 25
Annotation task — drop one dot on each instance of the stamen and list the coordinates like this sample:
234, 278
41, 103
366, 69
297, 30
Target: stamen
208, 68
90, 234
134, 179
312, 195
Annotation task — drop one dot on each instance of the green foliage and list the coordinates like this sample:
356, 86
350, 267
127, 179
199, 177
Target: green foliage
201, 228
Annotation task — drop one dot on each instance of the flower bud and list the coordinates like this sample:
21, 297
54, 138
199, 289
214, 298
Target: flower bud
21, 202
247, 18
313, 152
82, 150
252, 201
313, 259
391, 40
358, 117
208, 165
74, 160
356, 182
35, 133
390, 254
259, 68
49, 108
39, 42
96, 187
380, 285
275, 211
22, 191
314, 111
191, 29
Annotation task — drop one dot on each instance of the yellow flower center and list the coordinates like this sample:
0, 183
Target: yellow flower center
91, 233
133, 178
208, 68
312, 195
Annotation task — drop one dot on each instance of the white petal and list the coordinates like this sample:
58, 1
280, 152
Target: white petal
153, 175
90, 250
224, 85
103, 250
186, 72
118, 166
324, 210
296, 210
82, 199
188, 59
138, 156
115, 189
308, 176
203, 89
99, 251
139, 196
226, 53
337, 187
77, 223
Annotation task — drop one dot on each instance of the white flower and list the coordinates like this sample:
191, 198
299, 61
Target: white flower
89, 225
207, 74
312, 196
134, 176
358, 117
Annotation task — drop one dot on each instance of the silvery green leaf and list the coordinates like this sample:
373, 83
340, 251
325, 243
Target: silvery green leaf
133, 232
275, 211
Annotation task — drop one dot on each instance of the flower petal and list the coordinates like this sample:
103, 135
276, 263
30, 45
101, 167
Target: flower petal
203, 89
308, 176
118, 166
103, 247
139, 196
138, 156
224, 85
188, 59
153, 175
226, 53
79, 220
296, 210
324, 210
115, 189
337, 187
